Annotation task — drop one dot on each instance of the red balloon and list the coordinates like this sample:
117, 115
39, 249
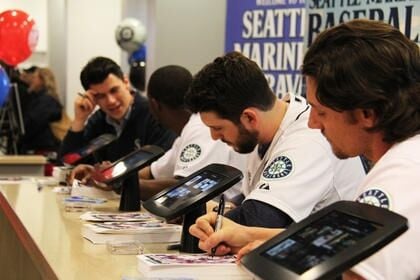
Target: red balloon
18, 36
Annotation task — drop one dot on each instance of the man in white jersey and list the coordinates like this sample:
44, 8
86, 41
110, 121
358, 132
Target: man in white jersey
291, 168
368, 103
194, 148
365, 102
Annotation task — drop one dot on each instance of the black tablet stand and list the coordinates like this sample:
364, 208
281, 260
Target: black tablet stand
189, 243
130, 193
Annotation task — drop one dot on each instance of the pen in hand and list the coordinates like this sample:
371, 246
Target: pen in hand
219, 220
85, 96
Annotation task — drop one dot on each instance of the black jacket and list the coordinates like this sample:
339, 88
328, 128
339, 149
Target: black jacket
39, 109
141, 125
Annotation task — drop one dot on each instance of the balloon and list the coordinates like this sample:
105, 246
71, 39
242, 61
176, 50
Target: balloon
18, 36
130, 34
138, 55
4, 86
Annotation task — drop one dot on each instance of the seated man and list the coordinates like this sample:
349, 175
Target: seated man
194, 148
121, 112
365, 102
291, 168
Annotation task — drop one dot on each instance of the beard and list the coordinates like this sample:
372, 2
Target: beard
339, 153
247, 140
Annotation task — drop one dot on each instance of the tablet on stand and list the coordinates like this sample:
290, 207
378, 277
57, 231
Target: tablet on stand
327, 243
189, 197
123, 174
94, 145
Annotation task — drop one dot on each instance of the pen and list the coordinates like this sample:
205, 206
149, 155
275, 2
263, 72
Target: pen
85, 96
219, 220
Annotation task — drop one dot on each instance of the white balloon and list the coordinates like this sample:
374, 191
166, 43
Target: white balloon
130, 34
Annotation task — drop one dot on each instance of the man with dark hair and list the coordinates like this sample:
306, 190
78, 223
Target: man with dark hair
194, 148
363, 84
367, 102
291, 169
121, 112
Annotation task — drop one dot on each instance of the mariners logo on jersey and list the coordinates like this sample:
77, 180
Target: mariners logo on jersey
280, 167
375, 197
190, 153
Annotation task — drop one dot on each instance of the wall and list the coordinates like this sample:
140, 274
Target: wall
187, 32
90, 32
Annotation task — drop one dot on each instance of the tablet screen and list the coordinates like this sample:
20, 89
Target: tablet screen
97, 143
125, 165
319, 241
94, 145
203, 182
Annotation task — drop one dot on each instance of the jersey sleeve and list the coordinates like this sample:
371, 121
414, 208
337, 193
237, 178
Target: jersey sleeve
164, 166
390, 185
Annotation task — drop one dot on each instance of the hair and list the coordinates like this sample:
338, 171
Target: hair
31, 69
97, 70
169, 84
365, 64
48, 81
229, 85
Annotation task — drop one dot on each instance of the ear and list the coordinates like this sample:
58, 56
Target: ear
126, 80
154, 104
249, 118
366, 116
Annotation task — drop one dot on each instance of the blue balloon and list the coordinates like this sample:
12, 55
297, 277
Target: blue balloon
4, 86
138, 55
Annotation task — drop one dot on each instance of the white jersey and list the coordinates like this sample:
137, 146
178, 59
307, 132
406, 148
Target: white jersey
195, 149
393, 183
299, 174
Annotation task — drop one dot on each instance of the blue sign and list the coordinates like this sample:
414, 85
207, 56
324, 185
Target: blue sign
270, 32
402, 14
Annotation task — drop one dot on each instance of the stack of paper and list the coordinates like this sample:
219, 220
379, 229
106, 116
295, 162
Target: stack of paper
200, 266
142, 227
117, 217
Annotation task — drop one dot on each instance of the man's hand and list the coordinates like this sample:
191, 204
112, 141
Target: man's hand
84, 104
248, 248
229, 239
82, 172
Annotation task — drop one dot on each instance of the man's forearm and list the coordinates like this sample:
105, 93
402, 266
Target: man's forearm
259, 233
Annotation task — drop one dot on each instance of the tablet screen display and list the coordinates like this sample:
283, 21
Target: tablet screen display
203, 182
96, 144
319, 241
125, 165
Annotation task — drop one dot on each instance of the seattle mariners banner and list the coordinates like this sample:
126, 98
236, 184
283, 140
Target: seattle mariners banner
403, 14
270, 32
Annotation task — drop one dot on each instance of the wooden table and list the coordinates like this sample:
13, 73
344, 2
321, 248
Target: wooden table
40, 240
18, 165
